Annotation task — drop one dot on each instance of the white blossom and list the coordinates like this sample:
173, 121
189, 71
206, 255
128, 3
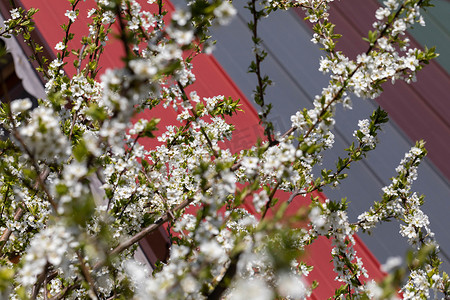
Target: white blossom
224, 12
60, 46
20, 105
72, 15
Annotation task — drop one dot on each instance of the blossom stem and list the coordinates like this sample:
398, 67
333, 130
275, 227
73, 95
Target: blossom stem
269, 202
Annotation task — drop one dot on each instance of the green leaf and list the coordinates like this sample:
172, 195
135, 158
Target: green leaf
80, 151
150, 127
96, 112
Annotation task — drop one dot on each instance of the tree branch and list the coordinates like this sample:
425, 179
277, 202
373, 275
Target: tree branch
224, 283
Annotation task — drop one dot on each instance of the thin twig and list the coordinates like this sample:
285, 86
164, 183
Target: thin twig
42, 278
269, 202
7, 232
139, 236
66, 38
87, 275
294, 194
80, 57
260, 90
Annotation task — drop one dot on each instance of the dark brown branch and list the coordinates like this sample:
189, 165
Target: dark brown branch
7, 232
66, 291
46, 276
86, 274
139, 236
269, 202
224, 283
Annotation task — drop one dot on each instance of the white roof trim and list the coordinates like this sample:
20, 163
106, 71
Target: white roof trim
23, 67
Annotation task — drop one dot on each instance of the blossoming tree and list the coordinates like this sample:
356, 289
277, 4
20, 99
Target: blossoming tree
62, 240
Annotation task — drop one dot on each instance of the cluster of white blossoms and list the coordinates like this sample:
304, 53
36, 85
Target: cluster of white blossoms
416, 222
140, 18
42, 130
401, 203
21, 105
398, 200
32, 220
366, 138
51, 246
224, 12
413, 16
315, 9
330, 219
211, 243
421, 282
